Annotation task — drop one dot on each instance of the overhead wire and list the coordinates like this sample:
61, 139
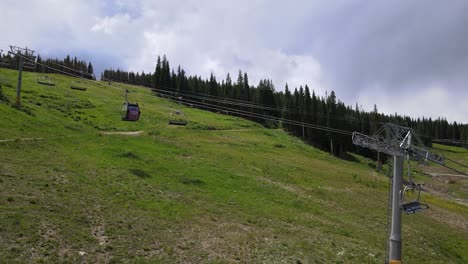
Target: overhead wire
440, 163
236, 111
248, 104
239, 112
55, 69
261, 116
212, 96
71, 69
456, 162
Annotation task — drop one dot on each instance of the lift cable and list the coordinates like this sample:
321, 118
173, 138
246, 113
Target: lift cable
240, 112
440, 163
265, 117
456, 162
247, 103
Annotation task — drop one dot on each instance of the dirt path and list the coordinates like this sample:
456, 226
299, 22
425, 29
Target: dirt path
447, 174
20, 139
129, 133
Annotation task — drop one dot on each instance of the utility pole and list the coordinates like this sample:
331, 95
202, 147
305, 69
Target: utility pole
22, 53
398, 142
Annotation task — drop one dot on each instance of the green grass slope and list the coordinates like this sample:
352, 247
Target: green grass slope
221, 190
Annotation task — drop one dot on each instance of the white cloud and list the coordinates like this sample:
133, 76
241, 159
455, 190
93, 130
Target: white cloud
268, 39
434, 101
109, 25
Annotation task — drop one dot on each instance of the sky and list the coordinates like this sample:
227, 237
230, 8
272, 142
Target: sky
407, 57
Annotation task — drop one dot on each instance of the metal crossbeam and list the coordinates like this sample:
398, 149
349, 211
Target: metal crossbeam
396, 141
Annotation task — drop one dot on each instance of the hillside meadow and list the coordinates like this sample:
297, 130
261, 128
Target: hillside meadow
75, 186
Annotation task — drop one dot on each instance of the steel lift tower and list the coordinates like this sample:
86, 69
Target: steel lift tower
399, 142
22, 53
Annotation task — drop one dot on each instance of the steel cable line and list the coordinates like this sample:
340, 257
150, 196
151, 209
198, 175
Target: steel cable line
221, 108
55, 69
227, 108
280, 109
226, 101
456, 162
68, 68
209, 95
273, 119
218, 101
441, 164
248, 104
265, 117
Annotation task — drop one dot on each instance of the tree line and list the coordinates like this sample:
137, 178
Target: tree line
299, 104
68, 65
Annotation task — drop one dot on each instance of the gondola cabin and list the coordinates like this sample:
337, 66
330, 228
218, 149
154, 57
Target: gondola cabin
130, 111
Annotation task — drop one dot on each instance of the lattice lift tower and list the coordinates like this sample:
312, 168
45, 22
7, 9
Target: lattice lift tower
399, 142
22, 53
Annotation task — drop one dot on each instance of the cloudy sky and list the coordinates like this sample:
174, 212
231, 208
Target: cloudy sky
409, 57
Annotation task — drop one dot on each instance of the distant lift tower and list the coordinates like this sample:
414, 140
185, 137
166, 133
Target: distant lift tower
22, 53
399, 142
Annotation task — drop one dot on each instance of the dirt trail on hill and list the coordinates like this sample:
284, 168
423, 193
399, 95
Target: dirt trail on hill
20, 139
129, 133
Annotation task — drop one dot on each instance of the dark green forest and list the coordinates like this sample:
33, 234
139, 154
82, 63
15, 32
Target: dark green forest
263, 103
299, 104
71, 66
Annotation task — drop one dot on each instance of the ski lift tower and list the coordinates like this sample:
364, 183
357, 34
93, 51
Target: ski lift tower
399, 142
22, 53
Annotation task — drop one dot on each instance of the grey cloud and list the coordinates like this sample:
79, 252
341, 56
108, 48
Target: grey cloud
395, 43
353, 47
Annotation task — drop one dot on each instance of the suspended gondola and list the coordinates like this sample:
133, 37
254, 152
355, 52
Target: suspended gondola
130, 111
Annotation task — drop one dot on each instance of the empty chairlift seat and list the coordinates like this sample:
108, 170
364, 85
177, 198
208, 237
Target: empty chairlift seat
46, 80
78, 85
177, 119
411, 207
177, 122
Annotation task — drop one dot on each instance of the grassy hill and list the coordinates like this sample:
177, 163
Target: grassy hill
221, 190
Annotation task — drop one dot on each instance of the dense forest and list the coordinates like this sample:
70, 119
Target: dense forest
70, 66
298, 104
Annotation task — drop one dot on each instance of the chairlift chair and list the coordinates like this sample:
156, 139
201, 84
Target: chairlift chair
179, 116
177, 122
78, 85
29, 65
411, 207
46, 80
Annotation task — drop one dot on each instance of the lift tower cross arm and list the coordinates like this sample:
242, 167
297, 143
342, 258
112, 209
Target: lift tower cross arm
398, 142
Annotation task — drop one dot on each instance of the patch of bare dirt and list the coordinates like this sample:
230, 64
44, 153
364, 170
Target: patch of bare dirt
127, 133
448, 218
20, 139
